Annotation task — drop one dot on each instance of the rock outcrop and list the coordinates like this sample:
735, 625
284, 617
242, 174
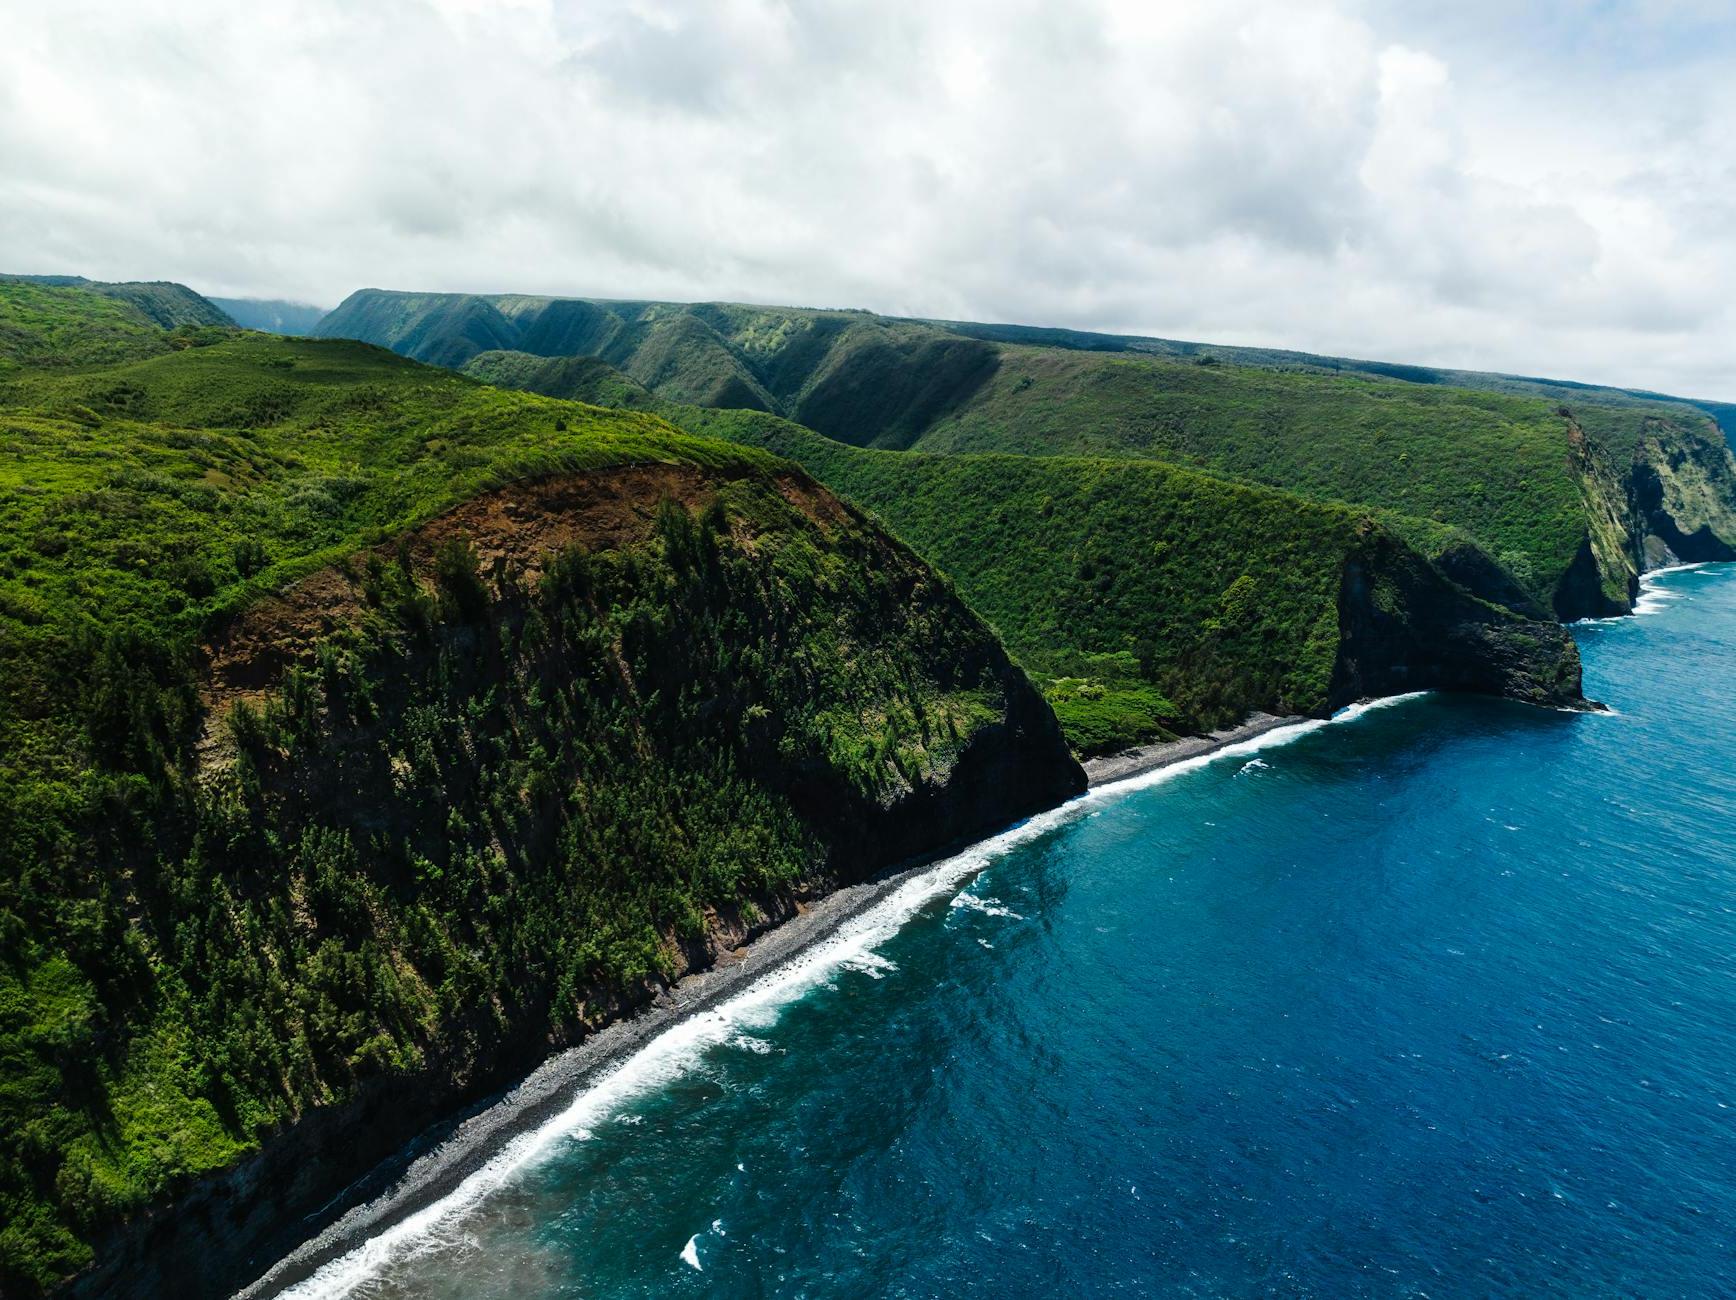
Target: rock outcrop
1403, 627
1671, 500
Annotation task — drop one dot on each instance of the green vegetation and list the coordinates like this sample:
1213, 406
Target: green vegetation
1148, 599
577, 378
1215, 588
851, 375
1110, 709
164, 303
303, 781
361, 720
1556, 392
1446, 456
1493, 466
64, 326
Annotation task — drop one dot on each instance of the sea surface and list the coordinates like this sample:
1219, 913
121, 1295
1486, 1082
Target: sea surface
1437, 999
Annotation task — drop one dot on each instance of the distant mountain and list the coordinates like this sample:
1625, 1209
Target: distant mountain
272, 315
1560, 390
162, 302
850, 375
1573, 489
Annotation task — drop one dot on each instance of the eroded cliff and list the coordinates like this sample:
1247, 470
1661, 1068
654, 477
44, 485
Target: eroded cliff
472, 793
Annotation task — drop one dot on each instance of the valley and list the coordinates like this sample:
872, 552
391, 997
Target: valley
373, 725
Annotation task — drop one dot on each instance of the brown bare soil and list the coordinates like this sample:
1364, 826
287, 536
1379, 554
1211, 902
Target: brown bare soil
514, 530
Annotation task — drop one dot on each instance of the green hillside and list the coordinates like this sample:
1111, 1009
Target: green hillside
365, 729
576, 378
164, 303
1557, 391
1568, 499
1559, 494
60, 326
161, 303
1495, 466
1149, 598
851, 375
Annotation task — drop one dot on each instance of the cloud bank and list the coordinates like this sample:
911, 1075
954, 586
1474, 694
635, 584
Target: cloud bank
1552, 194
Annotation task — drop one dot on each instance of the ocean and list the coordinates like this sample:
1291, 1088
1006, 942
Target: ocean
1435, 999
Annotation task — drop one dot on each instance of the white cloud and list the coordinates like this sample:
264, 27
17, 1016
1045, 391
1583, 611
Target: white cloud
1323, 174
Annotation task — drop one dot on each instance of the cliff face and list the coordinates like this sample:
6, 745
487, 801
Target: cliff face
1673, 499
1683, 492
1403, 628
1603, 578
471, 795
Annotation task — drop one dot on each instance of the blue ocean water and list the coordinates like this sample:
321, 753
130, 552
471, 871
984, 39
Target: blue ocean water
1439, 1000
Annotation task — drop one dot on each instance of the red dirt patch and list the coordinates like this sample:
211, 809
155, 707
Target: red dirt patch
516, 528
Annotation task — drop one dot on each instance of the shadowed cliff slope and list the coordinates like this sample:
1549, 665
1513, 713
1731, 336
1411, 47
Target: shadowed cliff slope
365, 731
1177, 598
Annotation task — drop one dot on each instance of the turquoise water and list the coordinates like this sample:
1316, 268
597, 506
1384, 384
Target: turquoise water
1438, 1000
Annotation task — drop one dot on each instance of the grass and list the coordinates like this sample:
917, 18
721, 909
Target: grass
1488, 457
1494, 466
476, 813
62, 326
1148, 598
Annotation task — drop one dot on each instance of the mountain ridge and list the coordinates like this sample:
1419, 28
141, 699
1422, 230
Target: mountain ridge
1510, 467
366, 730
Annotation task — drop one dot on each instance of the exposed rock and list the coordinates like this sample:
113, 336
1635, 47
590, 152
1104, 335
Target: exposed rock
1683, 489
1405, 628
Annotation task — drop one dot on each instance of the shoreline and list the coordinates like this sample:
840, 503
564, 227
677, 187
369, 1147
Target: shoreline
486, 1131
489, 1129
1141, 759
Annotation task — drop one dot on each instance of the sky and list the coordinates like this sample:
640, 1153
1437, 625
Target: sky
1544, 188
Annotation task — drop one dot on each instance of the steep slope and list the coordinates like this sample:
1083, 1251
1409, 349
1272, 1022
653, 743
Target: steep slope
1552, 491
1108, 578
681, 357
441, 329
165, 303
162, 303
61, 323
854, 376
365, 730
1679, 479
1154, 597
272, 315
576, 378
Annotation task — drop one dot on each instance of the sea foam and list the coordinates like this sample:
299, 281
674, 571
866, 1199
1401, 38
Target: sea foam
674, 1051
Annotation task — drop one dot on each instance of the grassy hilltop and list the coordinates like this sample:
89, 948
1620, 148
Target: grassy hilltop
1550, 479
364, 729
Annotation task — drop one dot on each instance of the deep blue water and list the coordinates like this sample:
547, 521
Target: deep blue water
1438, 1000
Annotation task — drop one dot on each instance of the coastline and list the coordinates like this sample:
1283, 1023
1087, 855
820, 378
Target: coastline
506, 1128
1149, 758
486, 1132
